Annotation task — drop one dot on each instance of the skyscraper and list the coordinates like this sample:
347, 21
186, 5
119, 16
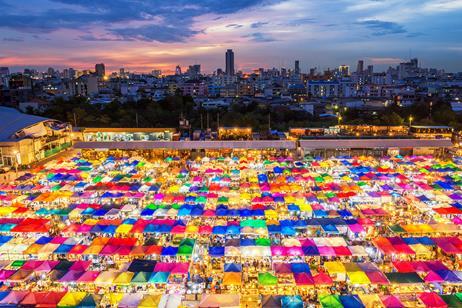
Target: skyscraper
297, 67
229, 62
178, 70
4, 71
360, 67
100, 70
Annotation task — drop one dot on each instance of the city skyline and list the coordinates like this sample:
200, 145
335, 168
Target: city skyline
264, 33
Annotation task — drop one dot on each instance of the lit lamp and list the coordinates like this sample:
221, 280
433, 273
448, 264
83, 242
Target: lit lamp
410, 120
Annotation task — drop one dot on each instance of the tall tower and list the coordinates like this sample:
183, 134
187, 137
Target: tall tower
100, 70
229, 62
297, 67
360, 67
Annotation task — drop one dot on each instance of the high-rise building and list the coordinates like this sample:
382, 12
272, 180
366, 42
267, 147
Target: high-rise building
194, 71
51, 72
344, 70
370, 69
156, 73
178, 70
229, 62
360, 67
297, 67
4, 71
100, 70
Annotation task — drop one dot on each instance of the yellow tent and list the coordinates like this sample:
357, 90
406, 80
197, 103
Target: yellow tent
72, 299
334, 267
232, 279
371, 300
123, 229
32, 249
114, 298
93, 249
106, 277
124, 278
358, 278
192, 229
150, 300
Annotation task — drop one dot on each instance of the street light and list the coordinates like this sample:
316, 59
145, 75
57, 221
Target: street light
410, 121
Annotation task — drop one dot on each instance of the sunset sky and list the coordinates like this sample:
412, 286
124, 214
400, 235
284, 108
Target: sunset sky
159, 34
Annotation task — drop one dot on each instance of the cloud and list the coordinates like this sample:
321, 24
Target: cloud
382, 28
442, 5
13, 39
299, 22
163, 34
234, 26
258, 24
160, 20
385, 60
260, 37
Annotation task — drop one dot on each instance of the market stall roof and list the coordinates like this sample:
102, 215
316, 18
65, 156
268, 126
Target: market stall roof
188, 145
220, 300
375, 143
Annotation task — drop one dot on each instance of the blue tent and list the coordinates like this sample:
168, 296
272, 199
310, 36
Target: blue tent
169, 251
233, 267
300, 268
217, 251
351, 301
292, 301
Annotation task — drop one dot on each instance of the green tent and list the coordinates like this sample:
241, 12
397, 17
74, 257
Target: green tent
223, 199
267, 279
185, 250
201, 199
141, 277
254, 223
330, 301
263, 242
397, 229
18, 263
97, 179
187, 242
452, 300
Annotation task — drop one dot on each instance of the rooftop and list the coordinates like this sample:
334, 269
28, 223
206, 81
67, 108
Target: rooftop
14, 121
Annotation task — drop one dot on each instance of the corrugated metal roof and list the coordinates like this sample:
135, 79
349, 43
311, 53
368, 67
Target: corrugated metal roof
12, 121
187, 145
375, 143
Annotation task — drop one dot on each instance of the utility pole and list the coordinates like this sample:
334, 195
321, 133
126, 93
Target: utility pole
75, 120
136, 119
218, 120
202, 122
269, 122
207, 120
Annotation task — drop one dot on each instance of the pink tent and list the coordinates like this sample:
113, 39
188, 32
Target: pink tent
5, 274
303, 279
278, 251
326, 251
377, 277
322, 279
433, 300
80, 266
31, 264
433, 277
163, 267
46, 266
180, 268
391, 301
89, 276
